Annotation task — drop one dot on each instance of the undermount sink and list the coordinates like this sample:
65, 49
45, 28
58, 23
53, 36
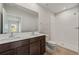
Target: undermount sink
14, 37
9, 38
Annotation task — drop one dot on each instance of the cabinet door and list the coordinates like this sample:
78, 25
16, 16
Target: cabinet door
23, 50
42, 41
4, 47
42, 49
42, 45
9, 52
35, 48
19, 43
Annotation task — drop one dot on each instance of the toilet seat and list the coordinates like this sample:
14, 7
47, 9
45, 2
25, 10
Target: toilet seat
51, 42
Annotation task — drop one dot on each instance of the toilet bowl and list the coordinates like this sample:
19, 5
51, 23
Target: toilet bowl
52, 45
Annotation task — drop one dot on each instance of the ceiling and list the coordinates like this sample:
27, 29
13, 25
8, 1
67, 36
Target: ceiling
58, 7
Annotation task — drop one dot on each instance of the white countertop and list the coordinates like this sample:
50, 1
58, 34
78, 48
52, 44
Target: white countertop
4, 38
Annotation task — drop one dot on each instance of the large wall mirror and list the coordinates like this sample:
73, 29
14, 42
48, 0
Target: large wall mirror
7, 21
10, 21
17, 19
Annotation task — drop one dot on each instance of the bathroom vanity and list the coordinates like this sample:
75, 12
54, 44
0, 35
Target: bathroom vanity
29, 45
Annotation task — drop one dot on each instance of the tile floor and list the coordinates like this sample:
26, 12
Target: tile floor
60, 51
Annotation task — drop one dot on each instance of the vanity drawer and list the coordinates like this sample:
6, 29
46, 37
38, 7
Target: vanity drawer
19, 43
9, 52
4, 47
34, 39
23, 50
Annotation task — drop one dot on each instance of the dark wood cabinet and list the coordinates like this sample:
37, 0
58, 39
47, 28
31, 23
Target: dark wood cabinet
35, 48
31, 46
9, 52
23, 50
42, 45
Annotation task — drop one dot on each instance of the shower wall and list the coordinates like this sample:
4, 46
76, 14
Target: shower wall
65, 28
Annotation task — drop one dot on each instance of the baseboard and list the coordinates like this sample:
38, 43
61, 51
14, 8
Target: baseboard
69, 50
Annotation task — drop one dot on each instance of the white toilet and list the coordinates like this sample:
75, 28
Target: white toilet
51, 45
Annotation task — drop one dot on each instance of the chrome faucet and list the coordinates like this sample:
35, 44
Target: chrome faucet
11, 34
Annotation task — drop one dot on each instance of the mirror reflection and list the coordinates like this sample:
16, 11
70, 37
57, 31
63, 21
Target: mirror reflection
14, 18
